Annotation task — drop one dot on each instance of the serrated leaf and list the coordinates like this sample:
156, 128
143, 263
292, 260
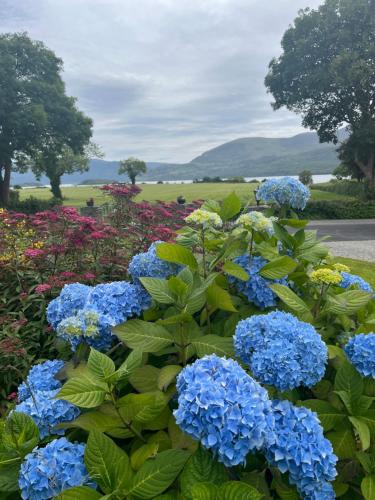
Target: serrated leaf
278, 268
204, 491
343, 443
83, 392
100, 365
348, 302
106, 463
142, 407
208, 344
292, 300
142, 335
231, 206
20, 433
144, 452
179, 439
329, 416
235, 270
172, 252
362, 430
167, 375
145, 378
236, 490
201, 468
158, 289
79, 492
218, 298
349, 380
368, 487
96, 420
157, 474
9, 476
132, 362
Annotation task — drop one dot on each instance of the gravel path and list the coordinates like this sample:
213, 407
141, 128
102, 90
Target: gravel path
362, 250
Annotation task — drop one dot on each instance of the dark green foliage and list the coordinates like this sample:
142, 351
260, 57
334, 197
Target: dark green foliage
32, 205
340, 210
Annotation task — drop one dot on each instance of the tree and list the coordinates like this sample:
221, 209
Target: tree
54, 166
306, 177
36, 116
326, 73
132, 167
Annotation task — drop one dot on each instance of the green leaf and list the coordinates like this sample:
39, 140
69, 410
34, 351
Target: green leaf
208, 344
140, 455
20, 434
145, 378
157, 474
132, 362
142, 335
179, 439
106, 463
96, 420
278, 268
158, 289
167, 375
201, 468
230, 207
349, 380
100, 365
79, 492
83, 392
235, 490
267, 250
235, 270
348, 302
292, 300
142, 407
368, 416
284, 491
362, 430
343, 443
329, 416
203, 491
218, 298
368, 487
172, 252
296, 223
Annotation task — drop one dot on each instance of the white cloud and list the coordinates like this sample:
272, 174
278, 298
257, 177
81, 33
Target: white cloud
165, 79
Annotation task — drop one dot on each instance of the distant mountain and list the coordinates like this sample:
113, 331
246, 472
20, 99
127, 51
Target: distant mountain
247, 157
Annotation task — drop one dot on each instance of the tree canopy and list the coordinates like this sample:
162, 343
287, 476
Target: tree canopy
132, 167
326, 73
37, 118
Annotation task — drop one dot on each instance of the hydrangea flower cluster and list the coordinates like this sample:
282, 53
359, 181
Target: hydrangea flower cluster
341, 267
46, 472
284, 192
256, 221
256, 289
148, 265
352, 280
361, 352
281, 350
301, 449
86, 315
47, 412
326, 276
224, 408
41, 378
204, 218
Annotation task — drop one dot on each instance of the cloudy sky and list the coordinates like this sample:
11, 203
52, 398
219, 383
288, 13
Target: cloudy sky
165, 80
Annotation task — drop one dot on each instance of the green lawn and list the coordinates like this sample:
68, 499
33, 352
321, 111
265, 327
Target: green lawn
77, 195
364, 269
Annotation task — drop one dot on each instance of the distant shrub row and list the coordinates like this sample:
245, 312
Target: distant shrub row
347, 187
340, 209
31, 205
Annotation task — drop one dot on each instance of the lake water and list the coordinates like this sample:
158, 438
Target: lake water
316, 178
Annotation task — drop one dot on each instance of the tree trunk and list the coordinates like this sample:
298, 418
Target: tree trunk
132, 179
5, 171
55, 181
368, 169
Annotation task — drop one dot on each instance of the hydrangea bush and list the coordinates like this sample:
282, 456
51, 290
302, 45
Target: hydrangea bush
234, 363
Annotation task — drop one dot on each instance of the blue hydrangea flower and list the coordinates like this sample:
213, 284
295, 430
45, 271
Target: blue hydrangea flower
117, 301
361, 352
224, 408
87, 327
72, 298
41, 378
48, 412
280, 350
284, 192
46, 472
256, 289
349, 280
301, 449
148, 265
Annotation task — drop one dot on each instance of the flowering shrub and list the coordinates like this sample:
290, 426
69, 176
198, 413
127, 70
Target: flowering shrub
152, 384
284, 192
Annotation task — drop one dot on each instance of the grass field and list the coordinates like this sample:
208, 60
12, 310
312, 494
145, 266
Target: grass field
76, 196
364, 269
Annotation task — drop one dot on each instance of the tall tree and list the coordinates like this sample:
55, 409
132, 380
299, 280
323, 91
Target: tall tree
36, 115
132, 167
326, 73
55, 164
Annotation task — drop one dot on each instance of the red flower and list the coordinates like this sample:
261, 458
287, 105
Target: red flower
44, 287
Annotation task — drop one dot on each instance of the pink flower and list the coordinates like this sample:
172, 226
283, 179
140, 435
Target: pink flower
33, 252
88, 276
44, 287
12, 396
98, 235
68, 274
23, 296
